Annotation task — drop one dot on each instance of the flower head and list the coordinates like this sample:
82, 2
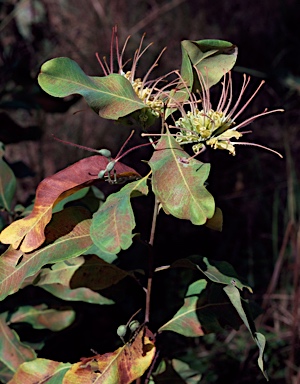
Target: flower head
216, 127
145, 89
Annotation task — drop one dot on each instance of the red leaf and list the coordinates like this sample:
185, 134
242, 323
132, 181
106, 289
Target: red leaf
29, 231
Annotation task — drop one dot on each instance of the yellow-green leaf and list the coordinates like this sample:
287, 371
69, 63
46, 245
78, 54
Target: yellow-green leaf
40, 371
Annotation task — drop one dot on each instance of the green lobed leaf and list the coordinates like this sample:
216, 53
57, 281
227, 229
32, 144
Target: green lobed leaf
111, 96
7, 182
213, 58
179, 186
222, 272
185, 321
40, 371
40, 317
12, 351
234, 296
67, 236
112, 224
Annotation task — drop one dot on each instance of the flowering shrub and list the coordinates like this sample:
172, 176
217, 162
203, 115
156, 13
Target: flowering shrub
54, 242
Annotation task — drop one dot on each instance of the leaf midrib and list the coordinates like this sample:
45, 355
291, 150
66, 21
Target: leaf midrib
95, 89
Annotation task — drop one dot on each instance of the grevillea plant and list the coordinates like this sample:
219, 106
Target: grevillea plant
71, 250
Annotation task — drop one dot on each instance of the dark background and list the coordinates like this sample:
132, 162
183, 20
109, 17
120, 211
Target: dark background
257, 191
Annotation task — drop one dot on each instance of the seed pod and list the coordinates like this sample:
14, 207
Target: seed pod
121, 331
133, 325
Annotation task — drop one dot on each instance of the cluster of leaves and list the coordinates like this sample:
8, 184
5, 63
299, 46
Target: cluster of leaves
49, 241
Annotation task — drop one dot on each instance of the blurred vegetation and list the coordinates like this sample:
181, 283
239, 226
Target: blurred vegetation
257, 192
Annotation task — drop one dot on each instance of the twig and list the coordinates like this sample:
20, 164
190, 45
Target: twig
151, 367
150, 276
278, 265
153, 15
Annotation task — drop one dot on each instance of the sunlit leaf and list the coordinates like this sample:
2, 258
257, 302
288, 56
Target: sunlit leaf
12, 351
108, 257
261, 343
97, 274
234, 295
40, 371
68, 234
213, 58
185, 321
78, 294
40, 317
178, 185
111, 96
222, 272
61, 272
122, 366
7, 182
112, 224
28, 233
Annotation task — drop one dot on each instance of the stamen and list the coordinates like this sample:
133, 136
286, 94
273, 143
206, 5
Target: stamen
101, 64
230, 96
223, 96
76, 145
197, 153
257, 145
114, 32
120, 151
152, 67
250, 99
106, 65
205, 92
132, 149
120, 56
252, 118
138, 54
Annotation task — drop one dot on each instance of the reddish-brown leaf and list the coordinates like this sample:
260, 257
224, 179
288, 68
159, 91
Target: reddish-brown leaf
28, 233
122, 366
179, 182
12, 351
